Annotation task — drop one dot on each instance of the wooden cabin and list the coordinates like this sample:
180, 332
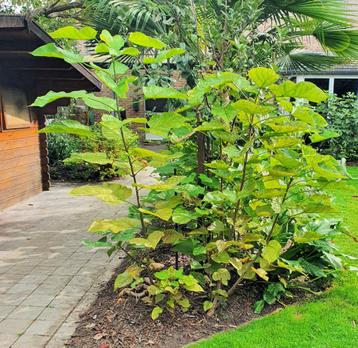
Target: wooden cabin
23, 152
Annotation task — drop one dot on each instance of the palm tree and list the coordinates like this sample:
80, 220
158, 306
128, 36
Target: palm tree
237, 34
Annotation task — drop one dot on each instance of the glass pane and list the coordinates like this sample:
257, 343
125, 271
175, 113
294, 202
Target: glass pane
343, 86
16, 112
156, 105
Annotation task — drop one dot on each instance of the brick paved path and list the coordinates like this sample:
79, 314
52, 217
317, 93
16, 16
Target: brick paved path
46, 276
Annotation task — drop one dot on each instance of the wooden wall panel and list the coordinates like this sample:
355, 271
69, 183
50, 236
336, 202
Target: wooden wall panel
20, 165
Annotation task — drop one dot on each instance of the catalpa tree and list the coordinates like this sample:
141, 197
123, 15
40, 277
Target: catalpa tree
243, 204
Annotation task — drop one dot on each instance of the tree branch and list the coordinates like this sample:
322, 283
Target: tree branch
55, 8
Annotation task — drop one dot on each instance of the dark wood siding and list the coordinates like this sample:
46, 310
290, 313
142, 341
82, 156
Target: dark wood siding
20, 165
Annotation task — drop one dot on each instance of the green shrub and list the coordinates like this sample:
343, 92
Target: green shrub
239, 194
60, 147
342, 115
63, 167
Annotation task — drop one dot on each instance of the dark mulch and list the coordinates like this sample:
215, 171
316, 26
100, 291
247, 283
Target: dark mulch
109, 324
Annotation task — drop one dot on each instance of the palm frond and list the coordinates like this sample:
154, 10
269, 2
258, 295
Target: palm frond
295, 62
339, 39
333, 11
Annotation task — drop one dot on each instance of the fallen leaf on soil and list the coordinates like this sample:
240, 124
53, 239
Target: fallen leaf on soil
99, 336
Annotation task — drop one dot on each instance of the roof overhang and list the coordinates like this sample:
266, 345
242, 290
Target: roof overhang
19, 37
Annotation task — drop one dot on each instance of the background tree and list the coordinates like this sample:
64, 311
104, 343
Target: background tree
238, 34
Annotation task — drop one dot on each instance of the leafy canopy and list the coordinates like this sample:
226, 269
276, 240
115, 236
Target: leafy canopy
239, 191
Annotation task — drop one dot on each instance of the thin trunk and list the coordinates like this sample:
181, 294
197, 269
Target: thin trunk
130, 162
200, 141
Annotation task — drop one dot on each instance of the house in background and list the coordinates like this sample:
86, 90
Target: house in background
23, 152
340, 79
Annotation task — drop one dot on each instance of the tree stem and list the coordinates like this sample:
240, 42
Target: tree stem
130, 162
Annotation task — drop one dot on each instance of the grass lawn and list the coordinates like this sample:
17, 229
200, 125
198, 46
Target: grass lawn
330, 321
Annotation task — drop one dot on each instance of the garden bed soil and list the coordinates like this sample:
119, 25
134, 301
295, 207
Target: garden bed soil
110, 323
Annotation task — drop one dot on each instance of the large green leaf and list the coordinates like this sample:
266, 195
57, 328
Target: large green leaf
113, 226
172, 236
166, 185
217, 80
68, 127
97, 244
250, 107
163, 213
70, 32
156, 312
53, 51
100, 103
164, 55
156, 92
222, 275
121, 87
310, 92
91, 100
182, 216
271, 251
150, 242
53, 96
114, 43
109, 193
145, 153
263, 77
222, 257
122, 280
89, 157
130, 51
162, 124
303, 90
144, 40
323, 135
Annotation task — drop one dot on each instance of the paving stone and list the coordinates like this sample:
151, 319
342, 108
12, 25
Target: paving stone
56, 343
5, 268
9, 276
54, 313
14, 326
47, 291
12, 299
66, 330
37, 300
23, 269
27, 288
57, 279
69, 270
31, 341
4, 287
7, 340
43, 270
33, 278
43, 327
5, 310
65, 302
26, 312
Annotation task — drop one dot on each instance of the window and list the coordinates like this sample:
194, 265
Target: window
156, 105
344, 86
14, 111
